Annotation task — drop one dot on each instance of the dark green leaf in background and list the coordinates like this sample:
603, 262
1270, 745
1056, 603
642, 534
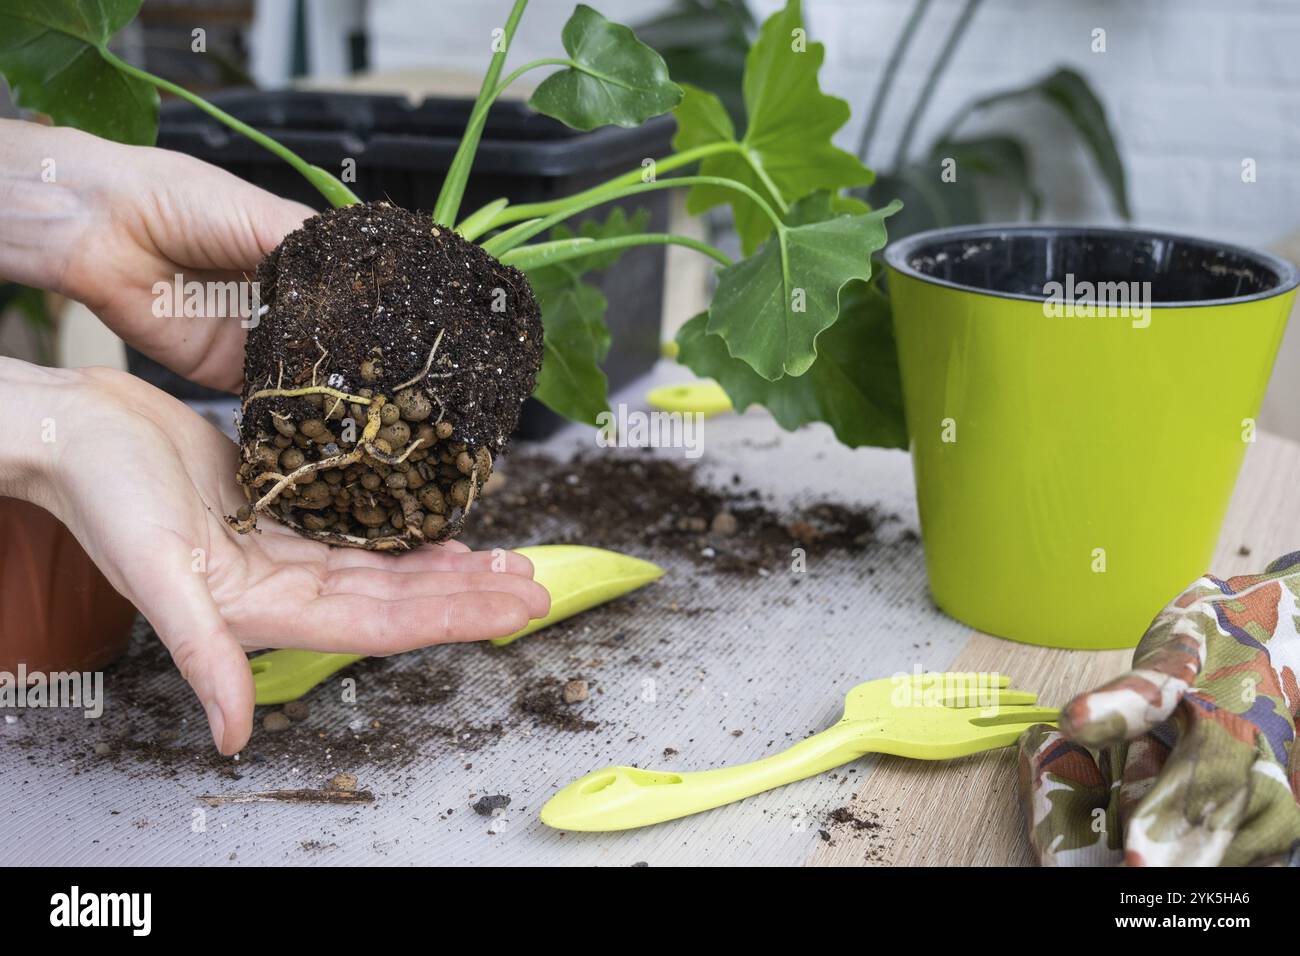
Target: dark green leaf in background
50, 54
576, 339
704, 43
1074, 98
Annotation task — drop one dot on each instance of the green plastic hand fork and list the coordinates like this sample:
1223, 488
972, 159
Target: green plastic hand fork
577, 577
935, 716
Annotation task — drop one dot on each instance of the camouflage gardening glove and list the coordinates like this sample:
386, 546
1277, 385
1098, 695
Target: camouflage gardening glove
1188, 759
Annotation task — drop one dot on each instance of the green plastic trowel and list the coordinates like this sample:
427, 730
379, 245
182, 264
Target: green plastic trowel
703, 396
577, 577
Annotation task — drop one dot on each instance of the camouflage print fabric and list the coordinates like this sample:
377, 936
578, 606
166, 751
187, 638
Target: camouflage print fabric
1189, 759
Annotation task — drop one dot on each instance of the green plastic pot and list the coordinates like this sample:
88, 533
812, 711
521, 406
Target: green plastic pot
1073, 470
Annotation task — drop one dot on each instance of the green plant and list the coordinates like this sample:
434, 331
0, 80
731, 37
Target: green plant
932, 201
803, 281
704, 43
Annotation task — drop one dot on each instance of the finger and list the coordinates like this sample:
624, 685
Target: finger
385, 585
182, 613
357, 624
432, 558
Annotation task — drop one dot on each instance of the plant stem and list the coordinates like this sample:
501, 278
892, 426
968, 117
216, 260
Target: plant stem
329, 185
549, 61
666, 164
931, 81
480, 221
562, 250
453, 187
887, 78
501, 244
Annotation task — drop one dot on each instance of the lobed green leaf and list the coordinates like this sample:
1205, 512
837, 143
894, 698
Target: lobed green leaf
771, 307
853, 386
786, 152
613, 78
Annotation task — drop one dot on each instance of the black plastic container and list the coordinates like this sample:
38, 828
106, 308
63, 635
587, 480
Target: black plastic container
402, 150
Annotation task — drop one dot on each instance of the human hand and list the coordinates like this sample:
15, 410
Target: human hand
114, 220
143, 483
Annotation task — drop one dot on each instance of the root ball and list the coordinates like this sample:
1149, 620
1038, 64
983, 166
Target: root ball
383, 378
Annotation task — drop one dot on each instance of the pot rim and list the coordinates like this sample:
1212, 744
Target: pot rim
897, 255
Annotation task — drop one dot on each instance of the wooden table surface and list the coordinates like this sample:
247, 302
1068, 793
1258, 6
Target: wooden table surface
968, 814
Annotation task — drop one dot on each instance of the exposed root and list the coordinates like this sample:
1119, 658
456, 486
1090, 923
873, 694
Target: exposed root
388, 543
380, 455
306, 390
428, 364
324, 353
410, 514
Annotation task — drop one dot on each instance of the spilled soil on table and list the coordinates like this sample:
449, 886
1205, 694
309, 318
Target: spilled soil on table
643, 504
448, 702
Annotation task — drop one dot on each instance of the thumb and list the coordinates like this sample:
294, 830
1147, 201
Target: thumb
274, 218
211, 661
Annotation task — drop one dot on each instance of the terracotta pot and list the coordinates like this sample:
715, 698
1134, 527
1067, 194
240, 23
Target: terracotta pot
57, 612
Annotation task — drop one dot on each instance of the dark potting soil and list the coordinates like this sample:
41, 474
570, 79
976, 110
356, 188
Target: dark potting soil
642, 504
378, 303
485, 805
865, 828
543, 699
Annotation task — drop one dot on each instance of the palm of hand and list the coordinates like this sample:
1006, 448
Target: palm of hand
158, 529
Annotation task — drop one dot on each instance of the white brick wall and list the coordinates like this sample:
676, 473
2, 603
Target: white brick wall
1191, 88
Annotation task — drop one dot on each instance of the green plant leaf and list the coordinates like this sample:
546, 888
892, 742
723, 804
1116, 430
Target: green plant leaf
613, 78
51, 54
617, 223
1074, 98
853, 386
704, 42
786, 152
931, 202
822, 205
999, 157
573, 313
771, 307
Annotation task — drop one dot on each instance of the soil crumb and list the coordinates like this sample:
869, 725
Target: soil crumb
865, 827
485, 806
543, 700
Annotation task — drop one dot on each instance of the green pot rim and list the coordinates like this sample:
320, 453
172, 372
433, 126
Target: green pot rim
898, 255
